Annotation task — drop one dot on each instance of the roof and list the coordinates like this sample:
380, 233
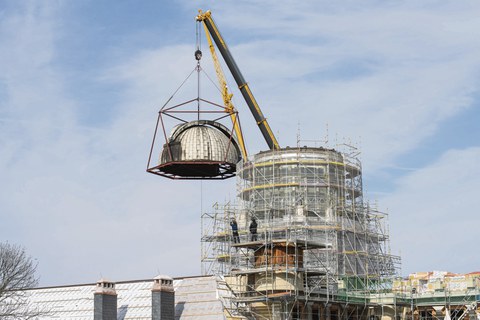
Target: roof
195, 298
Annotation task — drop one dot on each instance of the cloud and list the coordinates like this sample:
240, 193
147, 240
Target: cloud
78, 197
435, 217
418, 67
74, 189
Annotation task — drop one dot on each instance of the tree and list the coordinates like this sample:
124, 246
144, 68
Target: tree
17, 273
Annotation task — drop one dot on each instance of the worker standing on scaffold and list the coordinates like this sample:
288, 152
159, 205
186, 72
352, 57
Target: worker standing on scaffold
233, 224
253, 230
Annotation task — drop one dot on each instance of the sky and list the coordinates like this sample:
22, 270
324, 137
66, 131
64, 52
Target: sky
81, 83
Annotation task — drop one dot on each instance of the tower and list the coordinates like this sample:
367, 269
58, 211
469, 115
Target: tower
318, 242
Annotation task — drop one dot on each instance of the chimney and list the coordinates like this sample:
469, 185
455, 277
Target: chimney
163, 298
105, 301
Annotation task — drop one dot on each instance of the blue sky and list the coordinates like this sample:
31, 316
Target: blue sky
81, 83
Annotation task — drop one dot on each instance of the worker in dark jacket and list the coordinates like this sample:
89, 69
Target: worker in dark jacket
233, 224
253, 230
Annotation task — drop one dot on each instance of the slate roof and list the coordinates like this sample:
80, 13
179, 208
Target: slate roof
195, 298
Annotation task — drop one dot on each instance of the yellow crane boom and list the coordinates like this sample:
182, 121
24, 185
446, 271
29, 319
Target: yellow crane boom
227, 96
212, 30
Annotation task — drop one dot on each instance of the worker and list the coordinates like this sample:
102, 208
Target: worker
233, 224
253, 230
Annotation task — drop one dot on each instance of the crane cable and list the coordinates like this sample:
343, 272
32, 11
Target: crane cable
198, 38
198, 57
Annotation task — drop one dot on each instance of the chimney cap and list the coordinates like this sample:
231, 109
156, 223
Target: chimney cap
105, 286
162, 283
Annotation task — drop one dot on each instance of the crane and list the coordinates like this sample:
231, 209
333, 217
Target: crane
212, 31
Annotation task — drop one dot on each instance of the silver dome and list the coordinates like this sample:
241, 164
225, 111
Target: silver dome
201, 140
200, 148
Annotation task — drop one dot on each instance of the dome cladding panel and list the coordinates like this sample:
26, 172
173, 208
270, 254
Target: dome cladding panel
201, 143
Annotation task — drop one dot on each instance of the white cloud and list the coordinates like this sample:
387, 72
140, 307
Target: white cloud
78, 197
434, 214
419, 68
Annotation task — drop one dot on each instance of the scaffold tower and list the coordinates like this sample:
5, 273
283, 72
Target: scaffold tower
315, 240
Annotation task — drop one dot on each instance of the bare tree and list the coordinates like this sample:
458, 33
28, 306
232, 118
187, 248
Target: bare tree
17, 273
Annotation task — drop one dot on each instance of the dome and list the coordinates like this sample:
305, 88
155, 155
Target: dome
200, 148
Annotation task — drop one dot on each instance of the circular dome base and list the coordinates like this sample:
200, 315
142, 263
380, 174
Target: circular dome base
195, 170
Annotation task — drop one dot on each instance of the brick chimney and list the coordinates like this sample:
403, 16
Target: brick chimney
105, 301
163, 298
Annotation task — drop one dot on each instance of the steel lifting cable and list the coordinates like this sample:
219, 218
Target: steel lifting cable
198, 57
198, 37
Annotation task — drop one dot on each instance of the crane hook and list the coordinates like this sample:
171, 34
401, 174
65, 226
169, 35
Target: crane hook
198, 55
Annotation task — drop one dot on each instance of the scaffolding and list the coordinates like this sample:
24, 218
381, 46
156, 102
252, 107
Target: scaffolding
319, 247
